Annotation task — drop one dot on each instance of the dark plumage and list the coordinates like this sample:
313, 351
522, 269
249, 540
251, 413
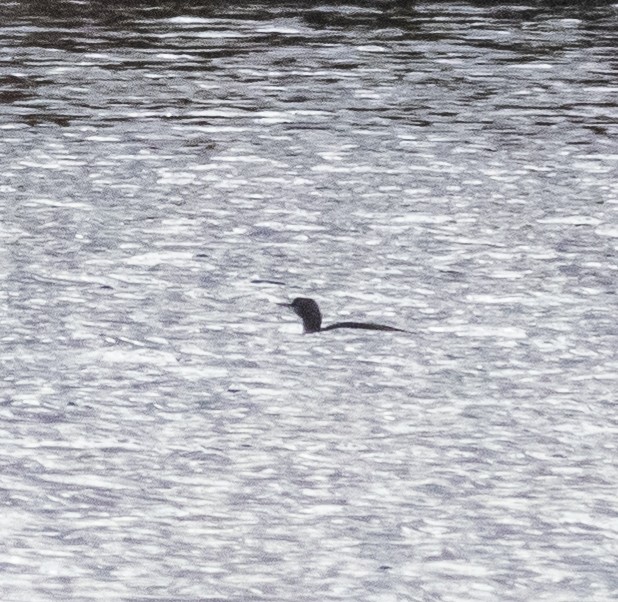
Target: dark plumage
309, 313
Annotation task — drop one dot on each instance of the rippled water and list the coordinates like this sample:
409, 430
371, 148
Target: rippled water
171, 171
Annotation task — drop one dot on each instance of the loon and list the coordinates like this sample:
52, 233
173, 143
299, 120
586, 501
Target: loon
309, 313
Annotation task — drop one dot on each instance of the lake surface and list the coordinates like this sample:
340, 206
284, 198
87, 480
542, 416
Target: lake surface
172, 171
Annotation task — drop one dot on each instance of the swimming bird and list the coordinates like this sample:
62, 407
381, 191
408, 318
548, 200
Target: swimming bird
309, 313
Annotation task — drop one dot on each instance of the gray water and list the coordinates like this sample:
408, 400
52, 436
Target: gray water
172, 171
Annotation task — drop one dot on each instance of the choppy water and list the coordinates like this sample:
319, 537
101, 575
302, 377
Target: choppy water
170, 172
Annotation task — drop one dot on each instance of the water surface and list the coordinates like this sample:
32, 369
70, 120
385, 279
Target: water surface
171, 171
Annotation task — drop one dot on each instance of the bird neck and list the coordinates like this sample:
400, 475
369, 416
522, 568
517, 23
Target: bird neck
310, 325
